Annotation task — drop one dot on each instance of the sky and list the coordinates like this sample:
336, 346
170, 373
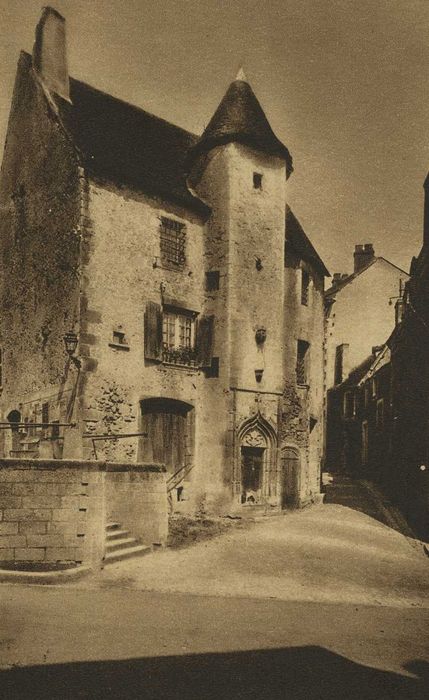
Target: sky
344, 84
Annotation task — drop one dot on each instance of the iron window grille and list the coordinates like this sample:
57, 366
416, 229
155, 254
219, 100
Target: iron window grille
173, 240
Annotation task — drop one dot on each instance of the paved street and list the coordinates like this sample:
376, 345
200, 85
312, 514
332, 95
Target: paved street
323, 603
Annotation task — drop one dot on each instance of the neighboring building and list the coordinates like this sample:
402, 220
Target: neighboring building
378, 415
409, 347
360, 314
359, 418
194, 293
360, 311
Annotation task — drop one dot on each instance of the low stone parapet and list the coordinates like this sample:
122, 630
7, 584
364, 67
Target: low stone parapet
53, 513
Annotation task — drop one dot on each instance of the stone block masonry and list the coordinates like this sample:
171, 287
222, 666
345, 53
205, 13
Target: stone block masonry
53, 513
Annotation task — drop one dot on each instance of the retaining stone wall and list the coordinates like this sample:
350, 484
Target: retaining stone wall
53, 513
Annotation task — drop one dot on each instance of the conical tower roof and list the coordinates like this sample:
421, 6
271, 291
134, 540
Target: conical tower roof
241, 119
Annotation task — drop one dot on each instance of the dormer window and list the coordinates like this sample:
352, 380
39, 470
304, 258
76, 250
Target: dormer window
172, 243
257, 181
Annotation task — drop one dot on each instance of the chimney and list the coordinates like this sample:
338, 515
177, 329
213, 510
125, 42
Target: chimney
338, 278
49, 53
362, 256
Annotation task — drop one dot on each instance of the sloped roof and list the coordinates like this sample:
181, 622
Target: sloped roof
126, 145
356, 374
344, 282
240, 118
380, 360
298, 241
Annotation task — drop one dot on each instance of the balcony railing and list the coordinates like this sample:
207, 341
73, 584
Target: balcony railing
179, 356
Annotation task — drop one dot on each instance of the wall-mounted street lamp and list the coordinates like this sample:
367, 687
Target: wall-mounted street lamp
70, 343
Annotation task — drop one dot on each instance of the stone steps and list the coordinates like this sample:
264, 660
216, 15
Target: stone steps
120, 545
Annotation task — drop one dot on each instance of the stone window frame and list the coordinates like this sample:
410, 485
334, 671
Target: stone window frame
119, 339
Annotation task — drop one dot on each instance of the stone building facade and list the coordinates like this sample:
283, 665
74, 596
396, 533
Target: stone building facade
193, 291
360, 314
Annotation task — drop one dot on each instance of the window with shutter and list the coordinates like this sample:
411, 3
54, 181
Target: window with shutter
178, 337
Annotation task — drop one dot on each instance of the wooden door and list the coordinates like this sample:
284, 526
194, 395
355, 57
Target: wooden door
290, 477
165, 423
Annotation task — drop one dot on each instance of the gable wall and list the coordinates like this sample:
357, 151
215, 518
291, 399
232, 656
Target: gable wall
39, 240
361, 315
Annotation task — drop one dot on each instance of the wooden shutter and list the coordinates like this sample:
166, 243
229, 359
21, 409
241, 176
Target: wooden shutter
153, 331
205, 331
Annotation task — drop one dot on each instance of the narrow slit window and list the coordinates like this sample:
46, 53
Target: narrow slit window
305, 287
302, 356
257, 181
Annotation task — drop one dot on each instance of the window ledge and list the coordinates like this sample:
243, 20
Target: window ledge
119, 346
303, 386
177, 365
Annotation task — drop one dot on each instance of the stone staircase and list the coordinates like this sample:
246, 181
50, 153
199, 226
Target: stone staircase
121, 545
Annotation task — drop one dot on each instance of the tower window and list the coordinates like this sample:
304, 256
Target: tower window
257, 181
302, 355
305, 287
173, 238
212, 280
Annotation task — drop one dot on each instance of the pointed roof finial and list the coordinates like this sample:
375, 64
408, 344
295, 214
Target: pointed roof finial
241, 75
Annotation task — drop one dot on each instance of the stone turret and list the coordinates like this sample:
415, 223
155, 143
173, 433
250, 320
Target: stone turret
240, 118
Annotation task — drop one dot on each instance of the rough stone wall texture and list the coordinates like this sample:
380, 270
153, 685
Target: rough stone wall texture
54, 513
51, 513
302, 406
39, 239
137, 499
120, 277
100, 248
361, 315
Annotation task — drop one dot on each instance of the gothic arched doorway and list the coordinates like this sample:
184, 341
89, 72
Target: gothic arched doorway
256, 477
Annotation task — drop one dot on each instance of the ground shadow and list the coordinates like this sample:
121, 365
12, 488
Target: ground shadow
303, 673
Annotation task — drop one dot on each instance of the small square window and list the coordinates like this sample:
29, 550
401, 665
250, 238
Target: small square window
257, 181
119, 337
212, 280
119, 340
